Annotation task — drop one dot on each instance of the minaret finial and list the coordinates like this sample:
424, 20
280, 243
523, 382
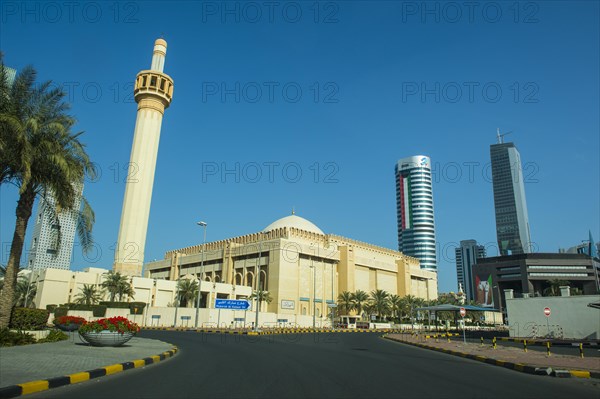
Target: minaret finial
293, 211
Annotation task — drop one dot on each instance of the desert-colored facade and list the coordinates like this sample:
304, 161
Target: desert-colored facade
301, 267
56, 286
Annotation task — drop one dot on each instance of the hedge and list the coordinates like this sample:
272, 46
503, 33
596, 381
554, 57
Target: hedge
60, 311
29, 319
117, 305
81, 306
99, 311
137, 307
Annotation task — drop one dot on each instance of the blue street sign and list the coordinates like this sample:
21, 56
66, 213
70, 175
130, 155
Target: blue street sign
239, 304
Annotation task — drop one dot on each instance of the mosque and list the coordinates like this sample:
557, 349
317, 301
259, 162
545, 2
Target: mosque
303, 268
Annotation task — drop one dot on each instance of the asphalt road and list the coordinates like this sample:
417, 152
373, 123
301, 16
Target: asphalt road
317, 366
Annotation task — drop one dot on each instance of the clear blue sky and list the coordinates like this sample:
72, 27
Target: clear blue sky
369, 74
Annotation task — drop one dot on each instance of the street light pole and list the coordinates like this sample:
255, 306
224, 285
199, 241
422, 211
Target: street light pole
203, 224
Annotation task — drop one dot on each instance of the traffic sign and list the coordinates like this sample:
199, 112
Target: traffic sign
463, 312
239, 304
547, 312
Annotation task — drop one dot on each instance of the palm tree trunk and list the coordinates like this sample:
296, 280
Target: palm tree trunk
24, 210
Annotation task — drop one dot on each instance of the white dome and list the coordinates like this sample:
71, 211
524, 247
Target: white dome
295, 222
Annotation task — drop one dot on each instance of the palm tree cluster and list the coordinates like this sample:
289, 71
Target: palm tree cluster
40, 155
117, 285
379, 303
89, 295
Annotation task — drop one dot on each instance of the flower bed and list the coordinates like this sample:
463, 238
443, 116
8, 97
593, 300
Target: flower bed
113, 331
69, 323
116, 324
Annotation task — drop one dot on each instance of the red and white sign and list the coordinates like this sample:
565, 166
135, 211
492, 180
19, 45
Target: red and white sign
547, 312
463, 312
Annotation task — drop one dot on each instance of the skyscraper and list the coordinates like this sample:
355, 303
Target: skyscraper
512, 222
153, 92
414, 207
52, 242
466, 256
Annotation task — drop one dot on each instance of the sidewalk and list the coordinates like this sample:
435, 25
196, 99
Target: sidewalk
507, 354
20, 364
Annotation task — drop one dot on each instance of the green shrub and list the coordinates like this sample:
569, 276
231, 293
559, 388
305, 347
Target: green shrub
81, 306
12, 338
60, 311
50, 308
99, 311
54, 336
116, 305
137, 307
29, 319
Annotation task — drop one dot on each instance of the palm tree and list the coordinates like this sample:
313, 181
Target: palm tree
397, 307
116, 284
358, 299
24, 293
40, 155
187, 291
345, 302
89, 295
263, 296
554, 288
126, 291
380, 301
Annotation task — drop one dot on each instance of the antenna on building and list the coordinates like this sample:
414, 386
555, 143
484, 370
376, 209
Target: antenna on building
501, 135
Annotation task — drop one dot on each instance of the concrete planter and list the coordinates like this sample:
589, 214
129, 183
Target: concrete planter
106, 338
68, 327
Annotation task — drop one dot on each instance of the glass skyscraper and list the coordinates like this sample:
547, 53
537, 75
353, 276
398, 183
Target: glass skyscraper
414, 207
512, 222
466, 256
54, 233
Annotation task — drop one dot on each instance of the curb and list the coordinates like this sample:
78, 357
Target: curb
524, 368
273, 332
538, 341
13, 391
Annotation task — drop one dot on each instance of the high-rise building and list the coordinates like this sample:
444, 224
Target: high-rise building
512, 222
466, 256
153, 92
54, 233
414, 207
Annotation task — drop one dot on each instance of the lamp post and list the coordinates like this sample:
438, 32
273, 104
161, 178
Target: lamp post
202, 224
257, 271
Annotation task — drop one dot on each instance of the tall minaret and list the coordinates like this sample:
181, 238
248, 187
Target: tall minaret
153, 92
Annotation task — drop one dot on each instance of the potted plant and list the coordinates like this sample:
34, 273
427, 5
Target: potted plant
113, 331
68, 323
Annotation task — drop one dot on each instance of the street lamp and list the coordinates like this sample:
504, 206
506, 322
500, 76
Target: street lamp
202, 224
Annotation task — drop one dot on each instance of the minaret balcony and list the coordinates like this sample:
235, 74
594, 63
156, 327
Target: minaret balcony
155, 84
